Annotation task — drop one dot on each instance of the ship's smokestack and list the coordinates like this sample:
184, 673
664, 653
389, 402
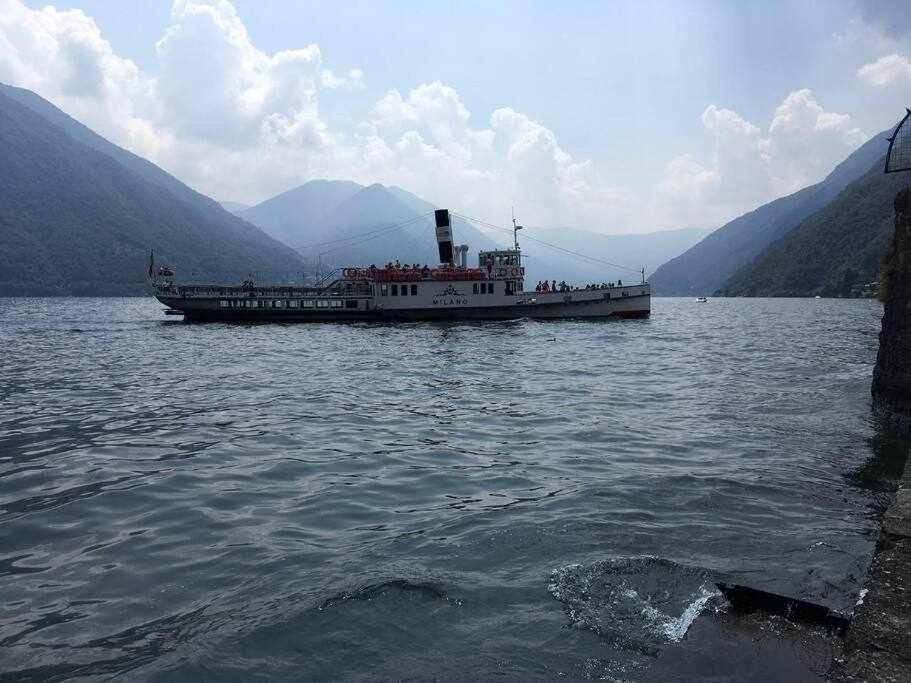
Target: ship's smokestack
461, 255
444, 235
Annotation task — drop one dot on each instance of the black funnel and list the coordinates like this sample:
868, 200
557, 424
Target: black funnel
444, 235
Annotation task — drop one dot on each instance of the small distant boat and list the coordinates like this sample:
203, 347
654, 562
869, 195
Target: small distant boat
701, 300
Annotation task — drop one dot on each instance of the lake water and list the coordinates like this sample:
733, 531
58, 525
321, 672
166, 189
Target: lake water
453, 501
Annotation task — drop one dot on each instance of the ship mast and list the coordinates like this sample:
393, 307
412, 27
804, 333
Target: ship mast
515, 230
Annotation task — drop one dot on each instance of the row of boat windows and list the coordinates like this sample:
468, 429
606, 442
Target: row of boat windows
287, 303
398, 290
404, 290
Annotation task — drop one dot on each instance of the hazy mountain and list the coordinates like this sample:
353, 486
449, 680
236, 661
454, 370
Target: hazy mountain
705, 267
234, 207
296, 216
633, 251
337, 222
78, 215
838, 246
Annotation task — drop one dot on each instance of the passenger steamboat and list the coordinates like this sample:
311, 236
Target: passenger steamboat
494, 290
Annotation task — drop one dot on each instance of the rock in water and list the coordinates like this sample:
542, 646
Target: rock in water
892, 374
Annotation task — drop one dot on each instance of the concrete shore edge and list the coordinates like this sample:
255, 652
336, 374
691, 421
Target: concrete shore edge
878, 642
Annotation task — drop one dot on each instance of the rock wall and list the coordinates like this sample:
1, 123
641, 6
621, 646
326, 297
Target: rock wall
892, 375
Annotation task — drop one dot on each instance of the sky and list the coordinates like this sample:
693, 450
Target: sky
616, 116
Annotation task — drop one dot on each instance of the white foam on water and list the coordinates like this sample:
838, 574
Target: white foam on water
675, 629
594, 599
860, 597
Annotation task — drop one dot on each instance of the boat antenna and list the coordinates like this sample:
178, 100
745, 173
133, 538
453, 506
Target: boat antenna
643, 274
515, 230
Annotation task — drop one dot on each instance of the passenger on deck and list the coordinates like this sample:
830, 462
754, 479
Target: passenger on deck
619, 283
553, 286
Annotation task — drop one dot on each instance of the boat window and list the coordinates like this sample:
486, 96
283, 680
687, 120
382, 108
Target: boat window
474, 288
384, 290
335, 303
404, 290
278, 304
414, 290
224, 303
293, 303
307, 303
395, 290
490, 288
322, 303
351, 303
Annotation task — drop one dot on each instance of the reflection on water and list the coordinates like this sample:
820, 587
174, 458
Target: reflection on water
427, 500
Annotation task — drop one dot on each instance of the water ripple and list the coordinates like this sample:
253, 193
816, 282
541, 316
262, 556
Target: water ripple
455, 501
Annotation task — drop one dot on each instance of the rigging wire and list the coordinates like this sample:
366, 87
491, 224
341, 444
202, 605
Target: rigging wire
594, 259
372, 233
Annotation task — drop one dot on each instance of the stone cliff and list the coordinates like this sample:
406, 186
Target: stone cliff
892, 374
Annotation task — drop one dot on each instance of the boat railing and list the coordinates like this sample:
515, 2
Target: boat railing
336, 289
430, 274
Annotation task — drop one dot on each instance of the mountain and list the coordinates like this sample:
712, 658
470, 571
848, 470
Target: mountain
705, 268
839, 246
234, 207
296, 215
79, 215
339, 222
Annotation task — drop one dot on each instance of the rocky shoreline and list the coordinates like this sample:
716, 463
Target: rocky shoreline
878, 641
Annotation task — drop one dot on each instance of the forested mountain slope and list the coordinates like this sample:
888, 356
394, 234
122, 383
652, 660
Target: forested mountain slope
79, 216
839, 246
705, 267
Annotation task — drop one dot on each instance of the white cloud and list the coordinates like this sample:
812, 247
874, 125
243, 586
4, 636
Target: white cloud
215, 86
748, 167
886, 70
62, 55
238, 123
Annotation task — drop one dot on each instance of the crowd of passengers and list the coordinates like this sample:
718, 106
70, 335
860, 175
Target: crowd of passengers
552, 286
414, 267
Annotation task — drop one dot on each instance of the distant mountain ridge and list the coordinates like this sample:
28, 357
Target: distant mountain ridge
79, 215
322, 219
339, 222
706, 267
632, 251
234, 207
